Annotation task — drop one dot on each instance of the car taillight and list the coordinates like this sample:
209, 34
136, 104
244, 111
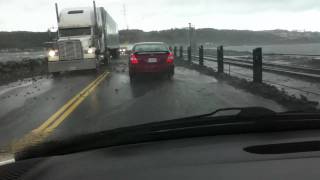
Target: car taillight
170, 58
133, 59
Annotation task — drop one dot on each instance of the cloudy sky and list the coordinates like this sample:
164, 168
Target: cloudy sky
38, 15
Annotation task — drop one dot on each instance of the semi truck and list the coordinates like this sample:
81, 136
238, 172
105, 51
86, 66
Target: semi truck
86, 38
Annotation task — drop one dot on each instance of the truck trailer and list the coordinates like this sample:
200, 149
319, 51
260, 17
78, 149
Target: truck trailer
87, 37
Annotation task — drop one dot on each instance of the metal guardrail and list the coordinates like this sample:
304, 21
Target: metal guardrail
257, 68
284, 69
297, 69
270, 54
302, 55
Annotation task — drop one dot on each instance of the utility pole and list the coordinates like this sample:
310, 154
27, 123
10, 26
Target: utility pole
125, 16
58, 18
190, 34
57, 12
192, 38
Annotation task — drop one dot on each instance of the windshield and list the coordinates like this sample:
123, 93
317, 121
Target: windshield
74, 32
149, 62
150, 48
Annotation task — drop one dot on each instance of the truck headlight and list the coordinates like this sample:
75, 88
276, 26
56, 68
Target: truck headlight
91, 50
52, 53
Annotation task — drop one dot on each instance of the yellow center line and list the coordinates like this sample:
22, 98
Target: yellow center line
44, 130
73, 106
64, 107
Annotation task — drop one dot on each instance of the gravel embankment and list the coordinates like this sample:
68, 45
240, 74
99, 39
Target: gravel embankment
12, 70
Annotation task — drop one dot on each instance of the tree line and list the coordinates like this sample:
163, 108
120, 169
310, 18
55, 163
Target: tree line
220, 37
29, 40
23, 39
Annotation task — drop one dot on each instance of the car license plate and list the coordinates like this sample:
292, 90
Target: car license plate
152, 60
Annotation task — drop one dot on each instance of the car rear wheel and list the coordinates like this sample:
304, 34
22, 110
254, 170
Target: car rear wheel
55, 74
132, 76
171, 74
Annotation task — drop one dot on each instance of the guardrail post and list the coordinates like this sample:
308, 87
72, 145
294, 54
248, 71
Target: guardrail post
201, 55
257, 65
175, 51
181, 52
220, 59
189, 54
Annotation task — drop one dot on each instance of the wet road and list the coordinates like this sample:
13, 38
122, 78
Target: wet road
113, 102
292, 85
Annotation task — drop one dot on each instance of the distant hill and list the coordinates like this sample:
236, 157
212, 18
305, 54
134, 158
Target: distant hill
23, 39
26, 40
224, 37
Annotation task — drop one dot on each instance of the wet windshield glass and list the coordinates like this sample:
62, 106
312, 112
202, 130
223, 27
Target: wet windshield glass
74, 32
75, 70
150, 48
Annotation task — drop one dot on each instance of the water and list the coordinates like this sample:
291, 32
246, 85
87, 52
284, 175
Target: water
306, 49
19, 56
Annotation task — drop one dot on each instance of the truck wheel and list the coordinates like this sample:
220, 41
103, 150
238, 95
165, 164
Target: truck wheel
115, 53
55, 74
107, 59
98, 67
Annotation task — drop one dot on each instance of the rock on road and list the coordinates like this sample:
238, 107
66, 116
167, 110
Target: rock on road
116, 102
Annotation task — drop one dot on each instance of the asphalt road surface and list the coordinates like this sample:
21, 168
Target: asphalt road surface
54, 108
292, 85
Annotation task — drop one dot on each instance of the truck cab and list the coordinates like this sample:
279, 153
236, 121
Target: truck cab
82, 40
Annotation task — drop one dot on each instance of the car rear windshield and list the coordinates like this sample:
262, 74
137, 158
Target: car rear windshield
150, 48
75, 32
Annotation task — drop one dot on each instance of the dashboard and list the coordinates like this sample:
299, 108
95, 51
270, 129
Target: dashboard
216, 157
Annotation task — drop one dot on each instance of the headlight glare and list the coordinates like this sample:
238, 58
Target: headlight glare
91, 51
52, 53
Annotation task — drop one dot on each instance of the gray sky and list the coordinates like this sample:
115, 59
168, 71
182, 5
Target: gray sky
38, 15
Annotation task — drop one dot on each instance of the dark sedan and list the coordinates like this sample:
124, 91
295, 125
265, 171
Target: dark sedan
151, 57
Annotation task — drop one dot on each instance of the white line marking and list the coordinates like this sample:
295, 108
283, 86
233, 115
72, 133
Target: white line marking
6, 158
15, 87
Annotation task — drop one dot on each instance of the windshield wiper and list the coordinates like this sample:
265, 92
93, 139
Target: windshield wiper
247, 120
243, 112
311, 111
258, 112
